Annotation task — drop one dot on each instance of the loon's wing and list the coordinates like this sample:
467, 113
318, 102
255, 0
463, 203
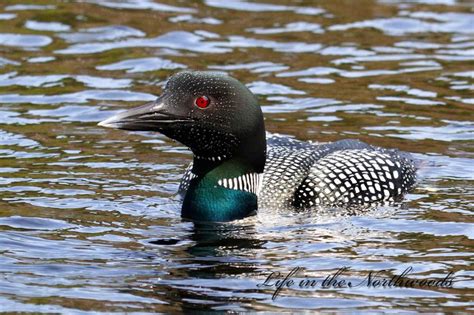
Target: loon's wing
356, 177
346, 172
289, 161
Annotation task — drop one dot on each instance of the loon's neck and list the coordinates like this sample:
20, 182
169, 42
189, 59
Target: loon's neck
222, 189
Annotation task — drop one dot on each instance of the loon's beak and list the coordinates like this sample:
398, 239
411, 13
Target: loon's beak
153, 116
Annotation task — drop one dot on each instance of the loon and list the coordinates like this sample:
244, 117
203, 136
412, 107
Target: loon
238, 168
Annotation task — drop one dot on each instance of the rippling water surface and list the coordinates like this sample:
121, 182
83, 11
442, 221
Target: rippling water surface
89, 220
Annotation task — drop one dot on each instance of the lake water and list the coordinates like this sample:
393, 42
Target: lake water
89, 221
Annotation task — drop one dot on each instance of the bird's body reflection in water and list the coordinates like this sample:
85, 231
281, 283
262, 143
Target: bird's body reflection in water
221, 239
218, 254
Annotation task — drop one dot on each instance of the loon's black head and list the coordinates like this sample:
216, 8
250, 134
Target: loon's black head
213, 114
219, 119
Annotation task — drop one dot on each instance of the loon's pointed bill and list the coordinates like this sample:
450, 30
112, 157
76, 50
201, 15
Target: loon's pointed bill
151, 116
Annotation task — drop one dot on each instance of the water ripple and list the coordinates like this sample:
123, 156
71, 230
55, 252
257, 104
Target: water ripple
290, 27
24, 41
175, 40
140, 5
242, 5
78, 97
47, 26
26, 7
414, 23
451, 132
99, 34
142, 65
7, 16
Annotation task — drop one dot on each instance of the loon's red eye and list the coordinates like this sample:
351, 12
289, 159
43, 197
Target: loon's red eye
202, 101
